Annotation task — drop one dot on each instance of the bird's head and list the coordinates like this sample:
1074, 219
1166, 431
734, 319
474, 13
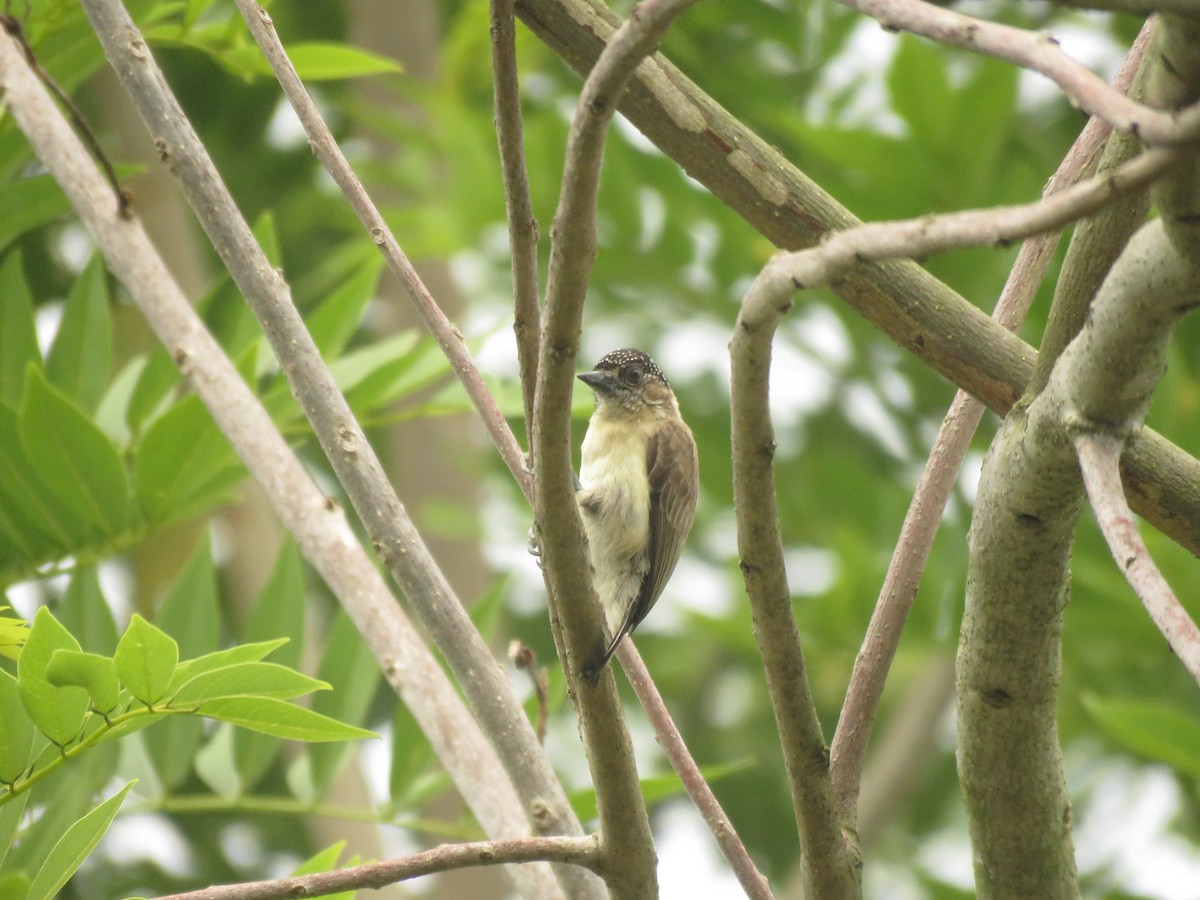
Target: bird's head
629, 379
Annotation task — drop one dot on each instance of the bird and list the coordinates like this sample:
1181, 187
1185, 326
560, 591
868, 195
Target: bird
639, 479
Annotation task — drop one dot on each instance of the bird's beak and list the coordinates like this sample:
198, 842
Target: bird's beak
600, 382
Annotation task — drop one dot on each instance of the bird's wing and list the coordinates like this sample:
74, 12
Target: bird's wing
674, 486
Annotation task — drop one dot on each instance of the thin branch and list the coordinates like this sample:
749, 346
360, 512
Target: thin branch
999, 226
1187, 8
849, 747
1040, 53
907, 304
522, 226
575, 613
749, 877
575, 851
1099, 461
392, 531
829, 867
318, 524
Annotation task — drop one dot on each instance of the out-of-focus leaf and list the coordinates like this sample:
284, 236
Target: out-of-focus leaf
80, 360
18, 335
16, 737
248, 679
657, 787
334, 322
85, 613
349, 667
75, 461
28, 204
1153, 730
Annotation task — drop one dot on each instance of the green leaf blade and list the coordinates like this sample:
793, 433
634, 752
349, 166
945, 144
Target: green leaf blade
74, 846
281, 719
58, 712
146, 660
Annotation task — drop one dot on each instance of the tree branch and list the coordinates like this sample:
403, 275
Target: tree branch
318, 525
906, 303
575, 851
392, 531
871, 667
575, 613
752, 881
1099, 461
1039, 53
829, 869
522, 226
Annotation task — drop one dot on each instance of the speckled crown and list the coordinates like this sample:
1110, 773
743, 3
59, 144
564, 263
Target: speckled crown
623, 357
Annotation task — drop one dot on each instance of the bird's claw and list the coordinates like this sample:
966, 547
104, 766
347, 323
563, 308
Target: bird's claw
534, 546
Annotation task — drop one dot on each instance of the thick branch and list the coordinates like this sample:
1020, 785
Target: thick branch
829, 869
575, 614
1029, 499
573, 851
910, 306
871, 667
318, 525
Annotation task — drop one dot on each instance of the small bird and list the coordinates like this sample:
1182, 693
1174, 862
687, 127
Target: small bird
640, 478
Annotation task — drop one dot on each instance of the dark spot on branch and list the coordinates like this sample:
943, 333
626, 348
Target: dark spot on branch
1029, 519
747, 567
717, 141
997, 698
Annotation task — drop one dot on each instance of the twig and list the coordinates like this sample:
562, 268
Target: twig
525, 660
319, 526
828, 867
522, 226
907, 304
575, 851
999, 226
392, 531
1099, 461
12, 25
752, 881
1040, 53
575, 614
849, 747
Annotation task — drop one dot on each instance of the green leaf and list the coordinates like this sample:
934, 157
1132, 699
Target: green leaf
327, 861
315, 61
84, 612
231, 656
16, 733
80, 361
145, 660
249, 679
156, 379
1154, 730
29, 203
11, 814
412, 756
183, 463
18, 334
350, 667
34, 526
278, 612
13, 633
75, 461
94, 673
58, 712
74, 847
334, 322
281, 719
656, 788
189, 614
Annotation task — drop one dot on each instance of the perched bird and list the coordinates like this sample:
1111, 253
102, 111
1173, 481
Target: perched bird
640, 478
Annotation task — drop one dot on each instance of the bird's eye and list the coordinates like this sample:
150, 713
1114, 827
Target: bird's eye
633, 375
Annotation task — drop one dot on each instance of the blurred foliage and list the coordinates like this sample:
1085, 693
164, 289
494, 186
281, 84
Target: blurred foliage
890, 125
